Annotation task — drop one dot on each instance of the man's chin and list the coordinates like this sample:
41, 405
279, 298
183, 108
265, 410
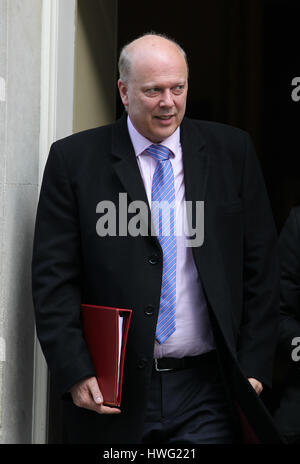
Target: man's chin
161, 134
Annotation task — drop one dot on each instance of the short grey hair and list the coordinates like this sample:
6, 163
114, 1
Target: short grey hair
124, 63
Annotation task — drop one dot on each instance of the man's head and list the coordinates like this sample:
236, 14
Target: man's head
153, 85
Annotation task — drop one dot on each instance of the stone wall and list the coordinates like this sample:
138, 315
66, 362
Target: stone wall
20, 65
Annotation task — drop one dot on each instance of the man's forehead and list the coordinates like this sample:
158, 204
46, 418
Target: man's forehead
158, 64
160, 81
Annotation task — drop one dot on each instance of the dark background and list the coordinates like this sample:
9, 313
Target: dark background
243, 55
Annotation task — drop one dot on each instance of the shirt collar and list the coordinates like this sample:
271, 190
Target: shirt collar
141, 143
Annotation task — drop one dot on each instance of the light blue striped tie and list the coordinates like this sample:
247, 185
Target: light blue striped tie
163, 216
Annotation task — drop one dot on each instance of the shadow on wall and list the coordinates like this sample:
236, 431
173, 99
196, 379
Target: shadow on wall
95, 63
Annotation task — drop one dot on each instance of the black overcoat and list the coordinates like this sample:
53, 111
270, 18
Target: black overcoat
237, 264
287, 415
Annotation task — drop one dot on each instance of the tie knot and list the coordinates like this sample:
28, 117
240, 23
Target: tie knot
159, 152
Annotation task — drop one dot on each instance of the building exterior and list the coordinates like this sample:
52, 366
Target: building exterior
50, 50
58, 76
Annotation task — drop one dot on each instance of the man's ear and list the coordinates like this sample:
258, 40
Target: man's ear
123, 89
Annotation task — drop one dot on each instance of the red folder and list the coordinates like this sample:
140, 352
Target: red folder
105, 330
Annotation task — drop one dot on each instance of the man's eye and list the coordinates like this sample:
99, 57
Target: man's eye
178, 89
152, 91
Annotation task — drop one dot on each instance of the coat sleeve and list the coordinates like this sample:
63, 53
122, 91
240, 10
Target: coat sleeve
56, 277
289, 252
259, 326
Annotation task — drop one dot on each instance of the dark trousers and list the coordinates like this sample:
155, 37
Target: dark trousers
189, 406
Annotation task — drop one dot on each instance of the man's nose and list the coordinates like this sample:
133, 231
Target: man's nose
167, 98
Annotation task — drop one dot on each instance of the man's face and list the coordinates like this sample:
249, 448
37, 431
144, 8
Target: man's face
156, 91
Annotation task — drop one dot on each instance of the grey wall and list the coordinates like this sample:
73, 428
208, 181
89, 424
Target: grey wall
20, 63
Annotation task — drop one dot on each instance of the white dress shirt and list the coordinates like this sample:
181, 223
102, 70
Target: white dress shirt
193, 334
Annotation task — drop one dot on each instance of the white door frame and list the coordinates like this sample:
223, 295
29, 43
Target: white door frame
56, 121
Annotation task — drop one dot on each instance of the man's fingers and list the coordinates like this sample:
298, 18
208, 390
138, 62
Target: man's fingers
256, 385
95, 391
98, 399
87, 394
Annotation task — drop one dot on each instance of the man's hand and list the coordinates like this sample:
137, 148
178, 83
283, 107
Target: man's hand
86, 394
256, 385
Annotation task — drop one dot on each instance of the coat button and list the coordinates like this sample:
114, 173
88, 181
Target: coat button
154, 259
149, 311
142, 363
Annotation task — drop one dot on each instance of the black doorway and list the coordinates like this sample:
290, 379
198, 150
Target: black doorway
242, 58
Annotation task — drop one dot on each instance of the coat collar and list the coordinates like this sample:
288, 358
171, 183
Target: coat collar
125, 165
127, 170
121, 143
195, 160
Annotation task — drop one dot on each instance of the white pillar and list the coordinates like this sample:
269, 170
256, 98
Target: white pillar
56, 121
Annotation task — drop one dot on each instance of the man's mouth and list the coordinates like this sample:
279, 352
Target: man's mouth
166, 117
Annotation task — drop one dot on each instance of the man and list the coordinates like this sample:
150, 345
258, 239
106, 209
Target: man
287, 415
209, 320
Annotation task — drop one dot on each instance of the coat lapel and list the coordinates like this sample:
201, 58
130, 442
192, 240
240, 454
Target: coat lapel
195, 161
198, 166
127, 170
126, 166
